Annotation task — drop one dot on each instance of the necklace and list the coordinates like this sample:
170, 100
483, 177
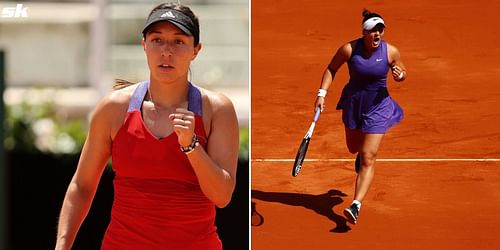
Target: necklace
155, 108
151, 99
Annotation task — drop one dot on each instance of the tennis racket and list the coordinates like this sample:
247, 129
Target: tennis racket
301, 154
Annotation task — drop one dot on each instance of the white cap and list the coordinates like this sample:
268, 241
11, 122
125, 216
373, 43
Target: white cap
372, 22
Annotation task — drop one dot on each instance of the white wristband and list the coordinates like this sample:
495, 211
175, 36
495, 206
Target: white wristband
401, 75
322, 92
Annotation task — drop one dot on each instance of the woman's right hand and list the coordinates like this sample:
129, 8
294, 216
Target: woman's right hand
320, 102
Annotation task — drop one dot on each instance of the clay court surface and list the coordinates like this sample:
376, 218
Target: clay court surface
451, 101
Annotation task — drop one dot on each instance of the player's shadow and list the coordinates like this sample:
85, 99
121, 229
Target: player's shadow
322, 204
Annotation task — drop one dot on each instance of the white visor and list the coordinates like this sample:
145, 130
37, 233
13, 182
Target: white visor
372, 22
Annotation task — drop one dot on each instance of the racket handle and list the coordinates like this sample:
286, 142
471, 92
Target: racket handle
316, 115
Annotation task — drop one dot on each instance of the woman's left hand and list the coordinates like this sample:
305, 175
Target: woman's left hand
397, 73
183, 122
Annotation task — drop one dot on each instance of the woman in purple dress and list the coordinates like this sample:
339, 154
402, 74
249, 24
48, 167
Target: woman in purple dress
367, 109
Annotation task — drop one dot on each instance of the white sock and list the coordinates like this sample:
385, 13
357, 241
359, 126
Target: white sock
358, 203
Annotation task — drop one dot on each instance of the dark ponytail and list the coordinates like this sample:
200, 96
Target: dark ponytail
368, 14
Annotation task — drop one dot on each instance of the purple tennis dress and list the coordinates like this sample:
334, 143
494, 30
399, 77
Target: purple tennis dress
365, 100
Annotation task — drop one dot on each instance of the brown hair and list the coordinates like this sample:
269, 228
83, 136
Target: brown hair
368, 14
120, 84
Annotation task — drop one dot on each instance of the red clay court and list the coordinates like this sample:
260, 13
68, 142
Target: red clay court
437, 184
